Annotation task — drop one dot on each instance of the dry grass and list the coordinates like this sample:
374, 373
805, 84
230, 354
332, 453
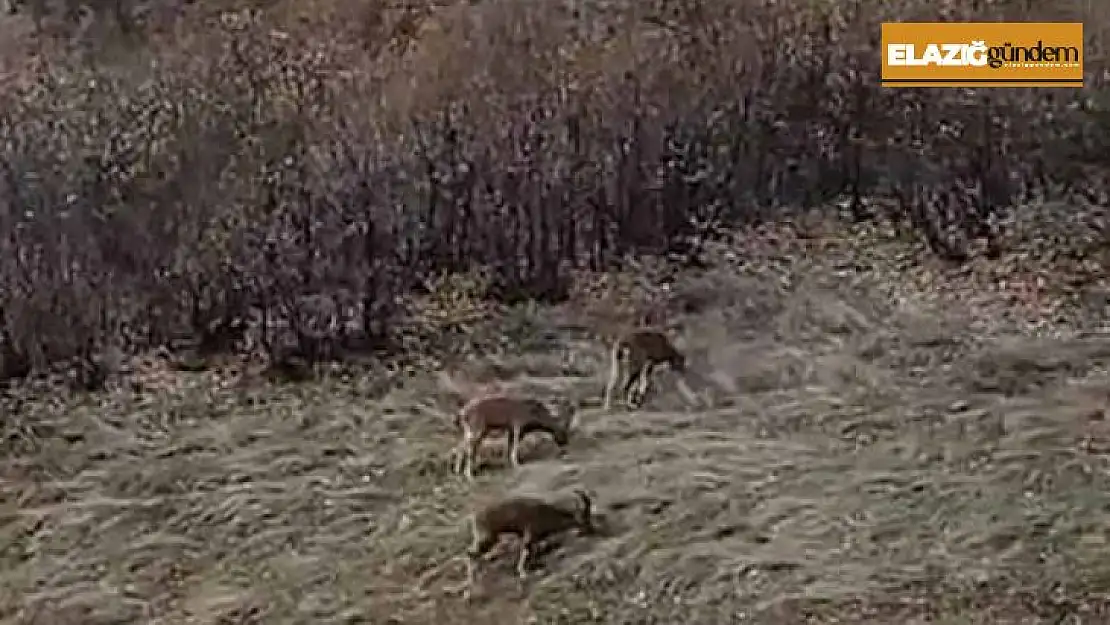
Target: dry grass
860, 463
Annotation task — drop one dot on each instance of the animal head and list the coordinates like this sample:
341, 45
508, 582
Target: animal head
564, 411
561, 436
677, 361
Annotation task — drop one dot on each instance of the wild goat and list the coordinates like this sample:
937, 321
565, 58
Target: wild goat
531, 519
516, 416
634, 358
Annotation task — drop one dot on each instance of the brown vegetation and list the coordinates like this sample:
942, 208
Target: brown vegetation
273, 178
327, 183
868, 458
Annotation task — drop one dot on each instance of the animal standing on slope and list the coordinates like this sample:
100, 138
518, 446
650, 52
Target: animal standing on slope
516, 417
531, 519
634, 359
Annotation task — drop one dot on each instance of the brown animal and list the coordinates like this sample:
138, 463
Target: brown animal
634, 358
516, 417
531, 519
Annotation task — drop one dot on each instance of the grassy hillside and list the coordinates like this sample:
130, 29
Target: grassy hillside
855, 460
889, 298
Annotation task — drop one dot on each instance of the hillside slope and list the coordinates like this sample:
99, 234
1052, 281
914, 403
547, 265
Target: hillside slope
858, 461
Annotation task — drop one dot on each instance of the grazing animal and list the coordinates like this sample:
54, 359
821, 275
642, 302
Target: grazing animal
634, 358
516, 417
531, 519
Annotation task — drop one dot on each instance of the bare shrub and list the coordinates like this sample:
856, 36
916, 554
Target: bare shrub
271, 184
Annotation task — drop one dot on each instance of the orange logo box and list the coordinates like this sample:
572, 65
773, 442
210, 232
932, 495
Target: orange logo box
982, 54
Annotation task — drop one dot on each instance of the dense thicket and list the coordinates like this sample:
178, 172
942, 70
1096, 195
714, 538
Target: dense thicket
287, 173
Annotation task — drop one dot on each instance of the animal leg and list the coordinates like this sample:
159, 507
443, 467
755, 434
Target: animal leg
614, 377
643, 382
513, 436
474, 444
458, 456
526, 547
626, 386
635, 381
481, 547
